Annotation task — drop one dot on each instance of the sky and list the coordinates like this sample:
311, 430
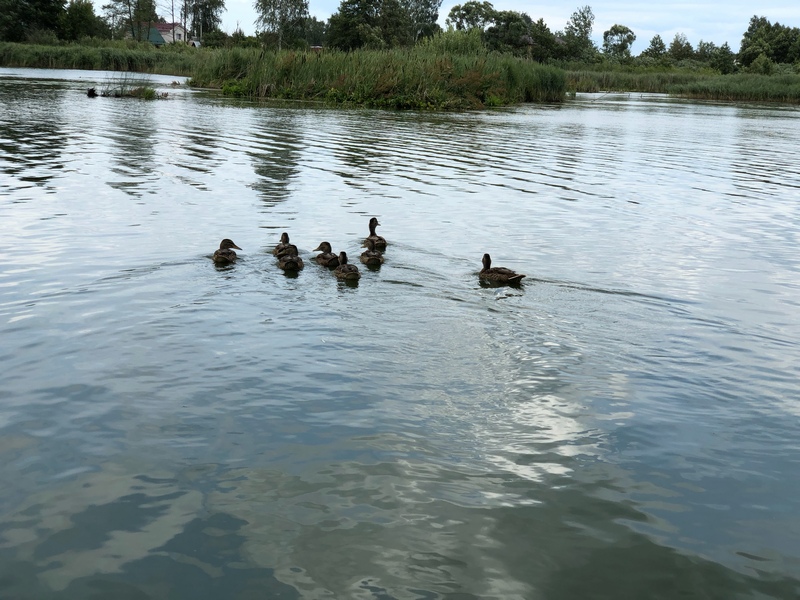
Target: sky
717, 22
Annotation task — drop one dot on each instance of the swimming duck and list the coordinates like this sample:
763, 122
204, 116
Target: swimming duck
371, 257
345, 270
327, 258
284, 246
288, 260
498, 274
224, 254
380, 242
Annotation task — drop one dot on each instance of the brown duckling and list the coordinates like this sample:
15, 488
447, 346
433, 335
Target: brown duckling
284, 246
371, 257
289, 260
346, 271
498, 274
225, 254
327, 258
380, 242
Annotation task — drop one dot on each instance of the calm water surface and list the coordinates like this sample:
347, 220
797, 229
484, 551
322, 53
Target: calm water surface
624, 425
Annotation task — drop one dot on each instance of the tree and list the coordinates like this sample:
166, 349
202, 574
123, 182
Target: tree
315, 31
617, 42
656, 49
422, 17
724, 60
19, 18
79, 20
471, 15
705, 51
352, 25
543, 42
680, 48
510, 32
778, 43
132, 17
578, 35
203, 16
282, 18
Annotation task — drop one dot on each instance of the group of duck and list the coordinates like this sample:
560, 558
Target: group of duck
289, 258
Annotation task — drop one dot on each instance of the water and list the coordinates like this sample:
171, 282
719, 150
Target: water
624, 425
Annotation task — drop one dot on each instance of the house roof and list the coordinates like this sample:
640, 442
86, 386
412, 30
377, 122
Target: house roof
168, 26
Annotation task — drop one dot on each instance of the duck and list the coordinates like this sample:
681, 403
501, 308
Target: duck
498, 274
284, 246
371, 257
327, 258
380, 242
225, 254
346, 271
289, 260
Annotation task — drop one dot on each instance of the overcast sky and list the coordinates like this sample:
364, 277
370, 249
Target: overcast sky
716, 22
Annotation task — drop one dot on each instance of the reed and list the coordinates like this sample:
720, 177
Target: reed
140, 58
743, 88
631, 81
419, 78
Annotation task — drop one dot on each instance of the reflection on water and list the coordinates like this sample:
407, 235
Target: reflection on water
622, 425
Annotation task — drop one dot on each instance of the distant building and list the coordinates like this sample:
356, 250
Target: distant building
172, 32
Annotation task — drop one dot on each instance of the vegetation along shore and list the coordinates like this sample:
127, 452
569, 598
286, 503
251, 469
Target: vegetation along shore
394, 54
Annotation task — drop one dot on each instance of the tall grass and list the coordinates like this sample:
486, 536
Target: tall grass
626, 81
142, 58
743, 87
419, 78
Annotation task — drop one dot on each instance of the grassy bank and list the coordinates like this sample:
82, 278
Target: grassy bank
142, 58
419, 78
743, 87
659, 82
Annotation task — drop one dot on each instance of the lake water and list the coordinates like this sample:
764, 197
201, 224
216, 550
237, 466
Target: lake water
623, 425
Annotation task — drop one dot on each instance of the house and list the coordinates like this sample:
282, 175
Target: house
171, 32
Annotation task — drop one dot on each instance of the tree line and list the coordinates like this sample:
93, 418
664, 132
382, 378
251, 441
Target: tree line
383, 24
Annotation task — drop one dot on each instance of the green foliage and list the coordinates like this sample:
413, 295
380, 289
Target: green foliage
577, 35
79, 21
656, 49
744, 87
777, 42
420, 78
617, 42
283, 20
471, 15
680, 48
762, 65
454, 41
114, 56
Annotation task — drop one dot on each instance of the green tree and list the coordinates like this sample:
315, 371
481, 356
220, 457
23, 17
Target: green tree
511, 32
79, 20
471, 15
680, 48
315, 31
724, 60
705, 51
543, 42
283, 19
203, 16
352, 25
577, 35
132, 17
656, 49
19, 18
778, 43
617, 42
422, 17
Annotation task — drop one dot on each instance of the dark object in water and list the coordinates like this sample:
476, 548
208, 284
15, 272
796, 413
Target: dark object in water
498, 274
225, 254
91, 93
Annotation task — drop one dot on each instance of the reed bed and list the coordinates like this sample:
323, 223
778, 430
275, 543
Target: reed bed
420, 78
743, 88
140, 59
660, 82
